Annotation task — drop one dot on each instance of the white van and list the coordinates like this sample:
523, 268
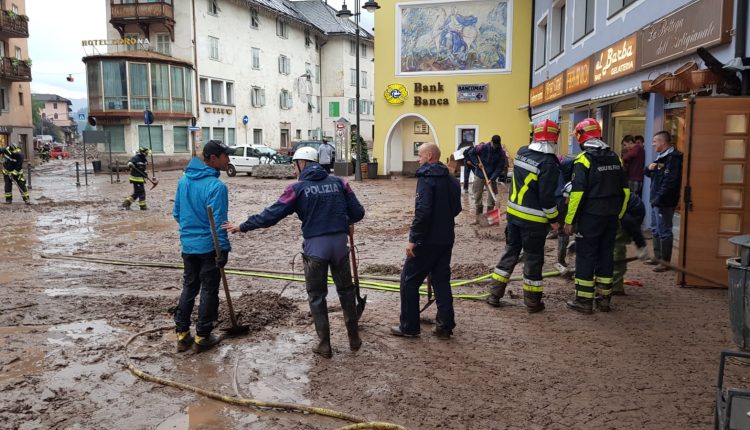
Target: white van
242, 159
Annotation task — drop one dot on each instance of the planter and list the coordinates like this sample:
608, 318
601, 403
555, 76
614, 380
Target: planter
363, 168
658, 84
674, 85
646, 86
683, 73
372, 170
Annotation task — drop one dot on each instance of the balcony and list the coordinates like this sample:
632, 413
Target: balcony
14, 70
13, 25
143, 13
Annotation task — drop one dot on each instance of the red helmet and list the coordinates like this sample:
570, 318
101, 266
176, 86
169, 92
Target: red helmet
546, 131
587, 129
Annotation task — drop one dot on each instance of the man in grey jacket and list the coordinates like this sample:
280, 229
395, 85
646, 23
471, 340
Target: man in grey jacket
326, 155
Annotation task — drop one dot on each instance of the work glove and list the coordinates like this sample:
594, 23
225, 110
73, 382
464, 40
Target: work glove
221, 261
642, 253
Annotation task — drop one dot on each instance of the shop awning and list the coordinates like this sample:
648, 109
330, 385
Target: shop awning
602, 99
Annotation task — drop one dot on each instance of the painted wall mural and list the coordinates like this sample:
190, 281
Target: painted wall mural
460, 36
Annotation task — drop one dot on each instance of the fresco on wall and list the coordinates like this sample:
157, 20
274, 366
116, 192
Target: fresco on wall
454, 37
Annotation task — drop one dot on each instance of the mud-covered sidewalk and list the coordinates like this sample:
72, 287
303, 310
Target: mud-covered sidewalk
650, 363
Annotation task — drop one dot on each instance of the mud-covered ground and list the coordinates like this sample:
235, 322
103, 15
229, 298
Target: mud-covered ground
650, 363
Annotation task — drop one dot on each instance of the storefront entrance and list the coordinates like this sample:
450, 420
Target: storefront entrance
405, 136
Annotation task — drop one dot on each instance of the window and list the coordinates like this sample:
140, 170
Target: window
284, 65
317, 74
352, 106
282, 28
584, 18
352, 47
179, 102
363, 50
20, 101
285, 99
116, 137
540, 44
18, 53
160, 87
298, 134
217, 91
2, 49
163, 43
333, 109
115, 85
94, 84
616, 6
254, 21
317, 104
284, 138
181, 139
308, 71
363, 106
353, 77
218, 134
156, 140
230, 93
256, 58
230, 137
308, 39
310, 107
54, 116
54, 105
139, 96
258, 97
213, 7
205, 135
204, 90
258, 136
213, 48
363, 79
557, 43
14, 8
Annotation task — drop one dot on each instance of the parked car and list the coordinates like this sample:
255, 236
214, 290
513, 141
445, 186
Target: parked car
242, 159
59, 153
315, 144
269, 155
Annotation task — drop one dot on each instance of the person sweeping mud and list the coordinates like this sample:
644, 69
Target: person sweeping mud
197, 189
430, 246
327, 207
138, 165
13, 171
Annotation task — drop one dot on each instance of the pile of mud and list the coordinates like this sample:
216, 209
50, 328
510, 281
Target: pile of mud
382, 269
258, 309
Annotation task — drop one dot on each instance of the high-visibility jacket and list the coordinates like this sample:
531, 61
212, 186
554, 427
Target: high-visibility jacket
600, 186
532, 202
12, 161
140, 162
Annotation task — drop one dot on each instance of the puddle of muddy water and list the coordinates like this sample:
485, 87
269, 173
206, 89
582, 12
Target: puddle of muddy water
204, 414
96, 331
18, 356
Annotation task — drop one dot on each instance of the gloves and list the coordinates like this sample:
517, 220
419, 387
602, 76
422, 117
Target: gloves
222, 260
642, 253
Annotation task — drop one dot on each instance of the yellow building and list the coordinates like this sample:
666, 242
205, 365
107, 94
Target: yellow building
447, 71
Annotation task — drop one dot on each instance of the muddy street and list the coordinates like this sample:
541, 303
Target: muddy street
650, 363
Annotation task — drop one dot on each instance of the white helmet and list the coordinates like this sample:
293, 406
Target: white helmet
306, 153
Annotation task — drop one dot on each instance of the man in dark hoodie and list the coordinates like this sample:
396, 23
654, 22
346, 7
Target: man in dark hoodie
327, 207
430, 246
199, 188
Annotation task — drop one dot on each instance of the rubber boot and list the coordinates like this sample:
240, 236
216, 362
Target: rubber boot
342, 277
657, 252
204, 343
666, 255
184, 341
126, 204
584, 306
316, 281
603, 303
497, 292
533, 302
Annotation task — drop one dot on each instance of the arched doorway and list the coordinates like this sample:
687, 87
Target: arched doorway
404, 137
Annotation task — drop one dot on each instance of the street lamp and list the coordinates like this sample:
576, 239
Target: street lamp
370, 6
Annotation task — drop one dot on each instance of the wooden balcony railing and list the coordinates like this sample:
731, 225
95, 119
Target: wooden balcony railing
13, 25
141, 11
14, 70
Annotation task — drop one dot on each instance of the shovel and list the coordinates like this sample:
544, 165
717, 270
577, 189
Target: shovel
236, 329
154, 181
361, 301
492, 216
430, 295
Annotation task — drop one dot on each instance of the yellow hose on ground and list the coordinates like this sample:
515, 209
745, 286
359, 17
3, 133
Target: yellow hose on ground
361, 423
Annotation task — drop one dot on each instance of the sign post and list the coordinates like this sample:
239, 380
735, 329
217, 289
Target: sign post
148, 119
245, 120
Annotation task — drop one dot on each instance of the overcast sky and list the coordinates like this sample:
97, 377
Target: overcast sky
56, 29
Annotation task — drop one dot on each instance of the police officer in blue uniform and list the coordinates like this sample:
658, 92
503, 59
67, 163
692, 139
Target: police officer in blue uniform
327, 207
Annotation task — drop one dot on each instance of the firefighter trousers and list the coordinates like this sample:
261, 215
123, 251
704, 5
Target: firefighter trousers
16, 176
139, 193
595, 243
531, 241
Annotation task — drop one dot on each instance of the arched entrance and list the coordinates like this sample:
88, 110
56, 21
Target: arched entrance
404, 136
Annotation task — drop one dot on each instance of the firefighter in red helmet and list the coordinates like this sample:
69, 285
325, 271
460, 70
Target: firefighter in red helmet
598, 199
532, 209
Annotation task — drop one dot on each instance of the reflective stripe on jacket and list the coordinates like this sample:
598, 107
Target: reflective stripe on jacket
532, 200
599, 185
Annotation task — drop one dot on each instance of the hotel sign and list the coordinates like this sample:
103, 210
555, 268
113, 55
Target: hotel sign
554, 89
130, 41
536, 96
615, 61
703, 23
578, 77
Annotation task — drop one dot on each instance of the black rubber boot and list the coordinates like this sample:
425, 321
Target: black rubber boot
533, 302
342, 277
184, 341
204, 343
603, 303
316, 281
666, 255
657, 252
497, 292
584, 306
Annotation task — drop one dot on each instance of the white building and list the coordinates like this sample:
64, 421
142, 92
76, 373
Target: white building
286, 66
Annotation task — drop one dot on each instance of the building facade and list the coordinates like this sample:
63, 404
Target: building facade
447, 72
254, 75
58, 111
635, 66
15, 77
